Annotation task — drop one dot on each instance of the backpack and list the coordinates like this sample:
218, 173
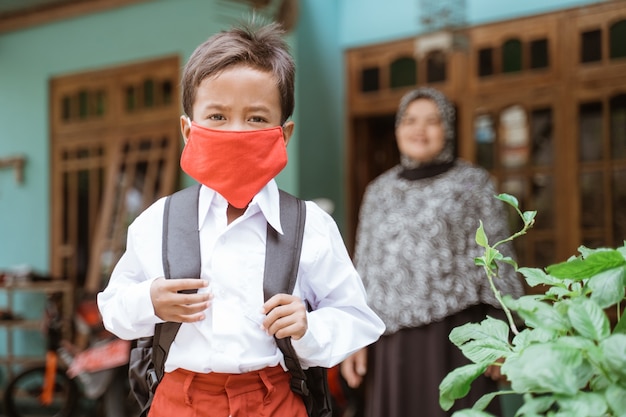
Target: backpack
181, 258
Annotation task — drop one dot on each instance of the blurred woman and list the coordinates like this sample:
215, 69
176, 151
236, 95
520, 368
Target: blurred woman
415, 250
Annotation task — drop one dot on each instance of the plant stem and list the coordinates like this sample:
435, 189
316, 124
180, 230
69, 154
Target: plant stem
509, 316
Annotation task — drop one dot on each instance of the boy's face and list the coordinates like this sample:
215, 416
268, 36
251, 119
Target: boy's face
238, 98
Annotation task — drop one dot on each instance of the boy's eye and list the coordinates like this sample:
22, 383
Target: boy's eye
216, 117
258, 119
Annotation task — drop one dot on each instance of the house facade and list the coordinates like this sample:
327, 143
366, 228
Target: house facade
89, 114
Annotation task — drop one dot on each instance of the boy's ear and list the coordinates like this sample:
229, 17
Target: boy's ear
288, 131
185, 127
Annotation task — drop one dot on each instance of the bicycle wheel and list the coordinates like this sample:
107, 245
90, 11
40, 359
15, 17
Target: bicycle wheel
21, 397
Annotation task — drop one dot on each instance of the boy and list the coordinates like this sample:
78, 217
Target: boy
238, 93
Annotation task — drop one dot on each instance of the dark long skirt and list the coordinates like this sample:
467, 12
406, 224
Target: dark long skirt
405, 369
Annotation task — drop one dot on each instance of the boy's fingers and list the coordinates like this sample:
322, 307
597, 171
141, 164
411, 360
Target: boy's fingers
185, 283
277, 300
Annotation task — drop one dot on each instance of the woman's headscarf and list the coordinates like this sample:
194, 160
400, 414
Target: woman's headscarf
447, 114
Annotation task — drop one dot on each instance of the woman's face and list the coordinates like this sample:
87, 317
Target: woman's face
420, 134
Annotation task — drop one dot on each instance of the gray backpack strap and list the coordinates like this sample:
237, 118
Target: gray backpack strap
282, 258
282, 252
181, 259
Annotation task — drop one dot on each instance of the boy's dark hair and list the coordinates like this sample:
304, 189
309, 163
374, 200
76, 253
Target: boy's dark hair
260, 47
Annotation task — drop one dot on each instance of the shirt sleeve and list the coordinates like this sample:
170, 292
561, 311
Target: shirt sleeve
340, 322
125, 303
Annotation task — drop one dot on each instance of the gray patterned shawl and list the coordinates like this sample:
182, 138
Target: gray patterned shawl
415, 244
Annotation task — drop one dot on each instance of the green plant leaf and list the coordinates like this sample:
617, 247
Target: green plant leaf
484, 351
488, 328
539, 314
547, 368
457, 384
536, 276
529, 336
614, 349
583, 404
535, 405
509, 260
594, 263
485, 400
558, 292
471, 413
589, 319
481, 236
585, 251
529, 217
599, 383
616, 399
621, 325
482, 343
608, 286
480, 261
577, 342
490, 255
509, 199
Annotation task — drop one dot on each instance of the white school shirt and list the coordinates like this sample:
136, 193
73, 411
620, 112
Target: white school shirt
230, 338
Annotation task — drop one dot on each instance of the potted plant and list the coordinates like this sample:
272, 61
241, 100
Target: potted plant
568, 360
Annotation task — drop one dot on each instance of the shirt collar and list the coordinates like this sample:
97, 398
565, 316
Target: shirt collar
268, 201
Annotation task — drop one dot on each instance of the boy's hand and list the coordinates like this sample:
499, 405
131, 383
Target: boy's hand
285, 316
170, 305
354, 368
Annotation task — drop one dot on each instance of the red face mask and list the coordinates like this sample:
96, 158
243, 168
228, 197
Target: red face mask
235, 164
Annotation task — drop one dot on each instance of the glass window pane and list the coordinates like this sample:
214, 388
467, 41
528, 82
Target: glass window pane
539, 54
369, 79
485, 62
83, 104
148, 93
485, 137
592, 200
545, 254
66, 108
591, 46
541, 131
542, 195
590, 140
167, 91
436, 67
594, 242
403, 72
514, 137
618, 127
619, 207
617, 46
101, 102
131, 98
512, 56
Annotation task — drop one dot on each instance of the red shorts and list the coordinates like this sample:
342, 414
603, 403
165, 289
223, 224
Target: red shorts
265, 393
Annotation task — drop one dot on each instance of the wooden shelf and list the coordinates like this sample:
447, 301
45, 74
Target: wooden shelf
18, 324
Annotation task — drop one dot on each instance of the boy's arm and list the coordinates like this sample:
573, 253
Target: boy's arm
341, 322
125, 304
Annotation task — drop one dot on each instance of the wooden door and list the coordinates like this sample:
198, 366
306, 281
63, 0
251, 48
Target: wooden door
114, 150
